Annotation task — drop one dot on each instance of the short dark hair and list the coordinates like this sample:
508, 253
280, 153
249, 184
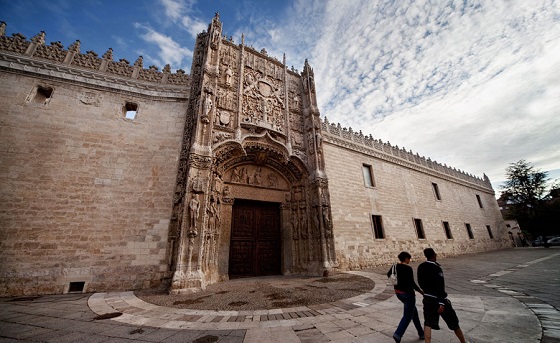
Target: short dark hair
403, 256
429, 253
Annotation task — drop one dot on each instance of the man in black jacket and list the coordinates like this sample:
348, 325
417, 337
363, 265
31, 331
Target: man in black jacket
430, 279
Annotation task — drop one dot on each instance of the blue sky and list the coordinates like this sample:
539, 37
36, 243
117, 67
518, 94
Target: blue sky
469, 83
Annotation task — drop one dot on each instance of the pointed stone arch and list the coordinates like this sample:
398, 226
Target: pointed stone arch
261, 169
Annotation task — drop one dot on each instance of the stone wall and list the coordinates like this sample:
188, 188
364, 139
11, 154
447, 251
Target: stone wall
86, 194
401, 193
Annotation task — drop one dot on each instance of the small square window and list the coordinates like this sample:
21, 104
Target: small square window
479, 201
130, 110
436, 191
447, 230
419, 228
469, 231
490, 234
377, 227
368, 175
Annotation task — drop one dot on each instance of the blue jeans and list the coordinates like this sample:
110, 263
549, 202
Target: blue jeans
409, 313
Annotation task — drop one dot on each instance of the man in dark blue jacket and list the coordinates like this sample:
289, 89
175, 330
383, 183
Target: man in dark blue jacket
430, 279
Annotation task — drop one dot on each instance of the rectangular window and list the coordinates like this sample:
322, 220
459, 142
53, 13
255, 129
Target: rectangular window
419, 228
479, 201
447, 230
469, 231
377, 227
490, 231
436, 191
368, 175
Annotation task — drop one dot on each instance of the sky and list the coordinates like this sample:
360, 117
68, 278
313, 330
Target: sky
471, 84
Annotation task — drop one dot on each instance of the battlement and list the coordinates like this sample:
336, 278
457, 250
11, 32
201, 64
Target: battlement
56, 53
370, 145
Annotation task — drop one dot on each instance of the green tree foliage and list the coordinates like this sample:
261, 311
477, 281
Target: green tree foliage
526, 199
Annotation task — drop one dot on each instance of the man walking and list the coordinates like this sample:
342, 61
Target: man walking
436, 304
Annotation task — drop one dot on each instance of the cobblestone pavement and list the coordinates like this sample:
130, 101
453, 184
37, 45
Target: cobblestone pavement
504, 296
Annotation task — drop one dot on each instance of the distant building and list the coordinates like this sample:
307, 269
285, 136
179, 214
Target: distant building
117, 177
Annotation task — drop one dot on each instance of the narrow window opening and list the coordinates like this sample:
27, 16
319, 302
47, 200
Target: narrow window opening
419, 228
469, 231
490, 231
378, 231
436, 191
479, 201
43, 95
76, 287
447, 230
368, 175
130, 110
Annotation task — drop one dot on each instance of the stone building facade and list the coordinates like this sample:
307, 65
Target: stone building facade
117, 177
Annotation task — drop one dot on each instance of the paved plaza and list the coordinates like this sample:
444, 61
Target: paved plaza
504, 296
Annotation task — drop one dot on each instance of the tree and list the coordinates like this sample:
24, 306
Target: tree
525, 194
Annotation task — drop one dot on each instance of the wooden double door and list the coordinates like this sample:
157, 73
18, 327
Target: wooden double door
255, 247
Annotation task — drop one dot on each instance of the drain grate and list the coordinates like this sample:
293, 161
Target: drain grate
76, 287
206, 339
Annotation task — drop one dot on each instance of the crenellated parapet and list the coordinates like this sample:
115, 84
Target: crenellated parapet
36, 49
346, 137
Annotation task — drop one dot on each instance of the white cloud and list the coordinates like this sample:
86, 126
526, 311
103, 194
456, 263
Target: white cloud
173, 8
471, 84
180, 11
170, 52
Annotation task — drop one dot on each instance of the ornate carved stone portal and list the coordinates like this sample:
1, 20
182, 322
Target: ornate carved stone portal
252, 141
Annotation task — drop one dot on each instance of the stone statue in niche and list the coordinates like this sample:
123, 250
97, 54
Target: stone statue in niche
257, 178
194, 207
213, 216
228, 75
295, 226
272, 180
327, 222
318, 140
244, 175
317, 222
303, 225
235, 175
207, 108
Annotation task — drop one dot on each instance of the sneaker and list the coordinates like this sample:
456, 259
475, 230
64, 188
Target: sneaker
421, 338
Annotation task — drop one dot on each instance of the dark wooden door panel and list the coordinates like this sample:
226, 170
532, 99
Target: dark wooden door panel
241, 258
255, 247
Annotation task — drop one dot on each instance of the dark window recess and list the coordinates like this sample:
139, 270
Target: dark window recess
76, 287
490, 231
469, 231
378, 227
479, 201
436, 191
130, 110
447, 230
419, 228
368, 175
43, 95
